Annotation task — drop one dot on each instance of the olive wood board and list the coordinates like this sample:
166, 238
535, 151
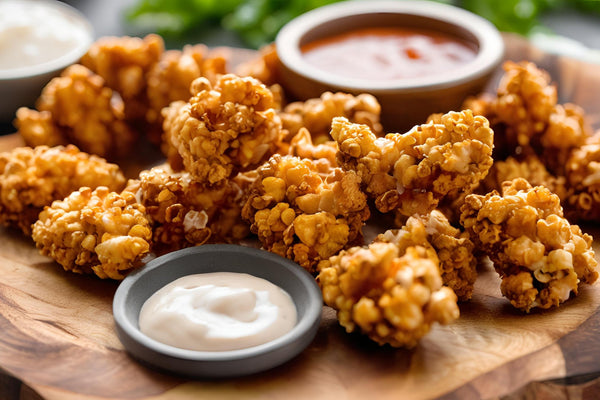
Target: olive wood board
58, 340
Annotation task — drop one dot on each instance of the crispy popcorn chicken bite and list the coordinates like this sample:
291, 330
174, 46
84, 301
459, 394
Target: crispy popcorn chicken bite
31, 178
94, 231
391, 297
583, 177
540, 257
303, 212
302, 146
412, 172
316, 114
170, 78
184, 213
453, 248
264, 67
528, 120
78, 108
124, 62
225, 128
531, 169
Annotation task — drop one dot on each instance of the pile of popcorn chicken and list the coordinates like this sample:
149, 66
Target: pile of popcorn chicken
488, 182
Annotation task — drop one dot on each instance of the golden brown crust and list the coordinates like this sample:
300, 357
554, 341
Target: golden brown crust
264, 67
184, 213
94, 231
304, 212
123, 62
78, 108
31, 178
540, 257
453, 248
391, 296
224, 129
531, 169
583, 177
412, 172
170, 79
317, 114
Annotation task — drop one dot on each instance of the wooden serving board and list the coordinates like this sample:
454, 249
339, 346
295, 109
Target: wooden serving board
58, 340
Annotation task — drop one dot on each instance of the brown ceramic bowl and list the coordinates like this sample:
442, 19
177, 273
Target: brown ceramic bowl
408, 101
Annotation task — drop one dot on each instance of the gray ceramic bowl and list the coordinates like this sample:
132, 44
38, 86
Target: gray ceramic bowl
140, 285
21, 87
405, 102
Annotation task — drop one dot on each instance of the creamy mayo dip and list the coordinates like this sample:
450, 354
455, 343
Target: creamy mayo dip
218, 311
34, 33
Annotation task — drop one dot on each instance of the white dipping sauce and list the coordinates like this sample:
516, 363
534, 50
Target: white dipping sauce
33, 33
218, 311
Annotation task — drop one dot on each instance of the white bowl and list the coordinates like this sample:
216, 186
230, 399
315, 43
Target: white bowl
22, 86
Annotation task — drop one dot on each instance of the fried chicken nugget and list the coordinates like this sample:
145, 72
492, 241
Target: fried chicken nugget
540, 257
170, 79
302, 146
303, 213
224, 129
531, 169
453, 248
528, 119
78, 108
393, 298
264, 67
317, 114
412, 172
124, 62
32, 178
94, 231
583, 180
184, 213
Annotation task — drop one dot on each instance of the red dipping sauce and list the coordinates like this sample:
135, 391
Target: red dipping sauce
388, 53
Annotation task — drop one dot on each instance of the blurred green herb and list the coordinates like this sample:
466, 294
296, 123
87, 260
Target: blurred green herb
258, 21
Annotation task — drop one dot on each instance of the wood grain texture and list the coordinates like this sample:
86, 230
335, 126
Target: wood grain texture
57, 334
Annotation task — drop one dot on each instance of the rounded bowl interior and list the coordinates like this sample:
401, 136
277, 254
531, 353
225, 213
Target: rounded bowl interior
141, 284
404, 101
22, 86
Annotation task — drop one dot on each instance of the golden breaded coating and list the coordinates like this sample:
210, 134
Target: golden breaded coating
412, 172
31, 178
184, 213
94, 231
527, 119
583, 177
124, 62
392, 298
224, 129
302, 146
264, 67
531, 169
567, 130
540, 257
37, 128
78, 108
453, 248
316, 114
171, 77
304, 213
525, 100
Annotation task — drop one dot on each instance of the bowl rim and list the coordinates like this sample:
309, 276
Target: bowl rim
62, 61
162, 355
491, 49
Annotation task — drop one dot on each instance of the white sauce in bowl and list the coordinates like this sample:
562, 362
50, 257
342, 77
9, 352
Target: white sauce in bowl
33, 33
218, 311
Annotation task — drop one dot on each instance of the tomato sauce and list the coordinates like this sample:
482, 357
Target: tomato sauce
388, 53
